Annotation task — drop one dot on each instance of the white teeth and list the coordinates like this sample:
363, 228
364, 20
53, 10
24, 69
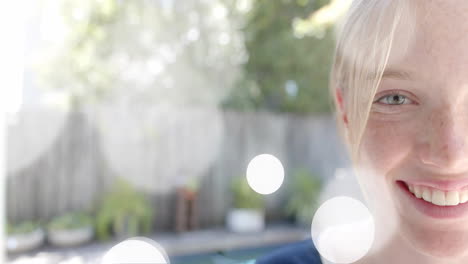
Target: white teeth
439, 197
426, 195
463, 196
452, 198
418, 191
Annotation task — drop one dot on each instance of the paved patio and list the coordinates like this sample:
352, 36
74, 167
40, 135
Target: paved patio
189, 243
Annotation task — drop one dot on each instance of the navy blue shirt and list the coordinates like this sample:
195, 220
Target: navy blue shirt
298, 253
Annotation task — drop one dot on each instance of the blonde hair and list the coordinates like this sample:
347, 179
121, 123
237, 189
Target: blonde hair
365, 40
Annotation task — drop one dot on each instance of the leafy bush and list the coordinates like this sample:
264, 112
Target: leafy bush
284, 72
123, 212
22, 228
244, 196
74, 220
304, 192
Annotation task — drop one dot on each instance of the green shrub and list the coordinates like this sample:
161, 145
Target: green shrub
73, 220
284, 72
123, 212
244, 197
22, 228
304, 190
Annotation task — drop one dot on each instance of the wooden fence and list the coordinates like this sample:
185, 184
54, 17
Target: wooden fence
87, 155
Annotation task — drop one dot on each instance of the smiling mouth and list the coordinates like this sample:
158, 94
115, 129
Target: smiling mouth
438, 197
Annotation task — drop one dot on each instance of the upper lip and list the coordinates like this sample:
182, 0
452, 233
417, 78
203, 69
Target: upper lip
444, 185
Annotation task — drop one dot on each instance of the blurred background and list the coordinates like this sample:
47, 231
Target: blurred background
140, 117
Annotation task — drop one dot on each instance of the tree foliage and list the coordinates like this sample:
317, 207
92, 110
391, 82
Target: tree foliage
286, 71
172, 52
192, 52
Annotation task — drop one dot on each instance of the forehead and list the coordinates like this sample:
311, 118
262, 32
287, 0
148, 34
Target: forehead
432, 41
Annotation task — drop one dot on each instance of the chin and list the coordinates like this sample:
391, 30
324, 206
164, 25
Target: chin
440, 244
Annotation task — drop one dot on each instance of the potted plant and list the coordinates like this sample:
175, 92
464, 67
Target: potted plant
304, 190
247, 214
123, 213
70, 229
24, 236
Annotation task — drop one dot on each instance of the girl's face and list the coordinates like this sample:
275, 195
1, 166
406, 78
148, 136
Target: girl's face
416, 137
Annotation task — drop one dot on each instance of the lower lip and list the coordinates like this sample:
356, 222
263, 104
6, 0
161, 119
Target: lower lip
432, 210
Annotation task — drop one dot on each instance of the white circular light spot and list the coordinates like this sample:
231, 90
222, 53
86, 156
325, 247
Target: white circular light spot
136, 250
343, 230
146, 139
31, 134
265, 174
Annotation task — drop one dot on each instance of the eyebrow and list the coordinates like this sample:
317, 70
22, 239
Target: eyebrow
396, 74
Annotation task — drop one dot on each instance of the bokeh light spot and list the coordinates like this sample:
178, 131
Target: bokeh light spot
265, 174
343, 230
136, 250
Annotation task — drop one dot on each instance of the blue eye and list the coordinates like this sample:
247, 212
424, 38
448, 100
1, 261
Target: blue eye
394, 99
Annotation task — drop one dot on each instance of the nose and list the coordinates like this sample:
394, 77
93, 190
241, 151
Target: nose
445, 147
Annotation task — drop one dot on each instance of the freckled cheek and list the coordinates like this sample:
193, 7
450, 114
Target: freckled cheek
386, 145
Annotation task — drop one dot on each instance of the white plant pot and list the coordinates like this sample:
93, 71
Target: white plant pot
25, 242
245, 220
71, 237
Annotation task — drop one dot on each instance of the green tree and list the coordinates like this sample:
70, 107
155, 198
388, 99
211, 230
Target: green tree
287, 71
173, 52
